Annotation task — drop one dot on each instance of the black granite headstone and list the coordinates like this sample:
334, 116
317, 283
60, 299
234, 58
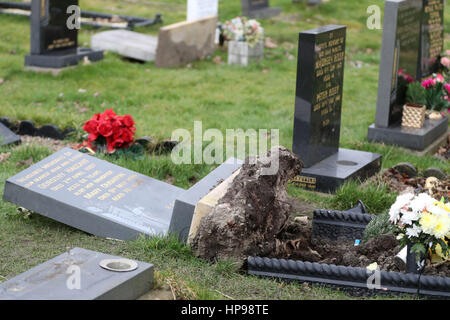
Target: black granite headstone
318, 106
432, 36
399, 65
53, 43
259, 9
7, 136
106, 200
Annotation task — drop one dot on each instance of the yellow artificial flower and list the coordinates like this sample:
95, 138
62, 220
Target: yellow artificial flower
442, 227
428, 222
442, 205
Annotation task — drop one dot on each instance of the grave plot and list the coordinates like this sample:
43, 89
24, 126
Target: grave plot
53, 44
106, 200
318, 108
412, 44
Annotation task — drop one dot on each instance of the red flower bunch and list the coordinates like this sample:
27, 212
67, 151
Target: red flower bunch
116, 131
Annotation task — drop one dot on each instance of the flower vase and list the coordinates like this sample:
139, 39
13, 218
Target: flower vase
412, 264
241, 53
413, 115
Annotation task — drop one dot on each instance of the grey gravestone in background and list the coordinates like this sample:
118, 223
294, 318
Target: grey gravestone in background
53, 44
318, 106
432, 38
259, 9
103, 199
48, 281
197, 9
399, 54
399, 64
7, 136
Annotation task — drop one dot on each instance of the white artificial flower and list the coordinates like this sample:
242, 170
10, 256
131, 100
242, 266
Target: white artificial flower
413, 232
409, 217
420, 202
402, 200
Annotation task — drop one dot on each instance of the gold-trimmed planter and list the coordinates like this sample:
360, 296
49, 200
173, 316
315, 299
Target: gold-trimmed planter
413, 115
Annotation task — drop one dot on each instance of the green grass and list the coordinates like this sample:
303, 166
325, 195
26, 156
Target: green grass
162, 100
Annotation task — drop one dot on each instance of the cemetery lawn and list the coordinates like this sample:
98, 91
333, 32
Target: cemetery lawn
162, 100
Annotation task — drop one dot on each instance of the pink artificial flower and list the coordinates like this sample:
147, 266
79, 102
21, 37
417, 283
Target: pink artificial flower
447, 87
429, 83
445, 62
440, 78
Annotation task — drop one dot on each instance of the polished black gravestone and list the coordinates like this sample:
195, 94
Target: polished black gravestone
432, 36
318, 106
399, 65
7, 136
259, 9
106, 200
56, 279
53, 44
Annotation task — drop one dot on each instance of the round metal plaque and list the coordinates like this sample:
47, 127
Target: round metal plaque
119, 265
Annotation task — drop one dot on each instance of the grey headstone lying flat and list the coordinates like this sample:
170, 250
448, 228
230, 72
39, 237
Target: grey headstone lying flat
54, 280
106, 200
126, 43
7, 136
185, 205
94, 196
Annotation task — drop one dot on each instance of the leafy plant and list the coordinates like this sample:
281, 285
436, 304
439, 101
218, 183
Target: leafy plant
436, 94
416, 93
378, 226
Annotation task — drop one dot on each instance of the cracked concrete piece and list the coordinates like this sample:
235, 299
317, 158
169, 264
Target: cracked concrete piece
126, 43
184, 42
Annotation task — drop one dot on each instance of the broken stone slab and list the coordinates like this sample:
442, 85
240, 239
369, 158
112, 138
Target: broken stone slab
8, 137
77, 275
253, 211
185, 42
126, 43
184, 211
207, 204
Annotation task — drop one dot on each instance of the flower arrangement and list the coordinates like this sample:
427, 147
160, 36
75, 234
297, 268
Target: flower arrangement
108, 128
422, 222
242, 29
433, 92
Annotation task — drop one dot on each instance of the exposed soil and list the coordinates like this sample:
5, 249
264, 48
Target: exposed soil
400, 183
296, 243
444, 151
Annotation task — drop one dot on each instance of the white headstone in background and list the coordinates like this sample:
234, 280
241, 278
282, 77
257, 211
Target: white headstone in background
197, 9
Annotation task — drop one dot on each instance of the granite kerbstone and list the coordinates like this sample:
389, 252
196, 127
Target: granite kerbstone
8, 137
48, 281
126, 43
185, 205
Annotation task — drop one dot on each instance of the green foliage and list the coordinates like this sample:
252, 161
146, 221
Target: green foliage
378, 226
435, 98
167, 245
419, 249
416, 93
376, 197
